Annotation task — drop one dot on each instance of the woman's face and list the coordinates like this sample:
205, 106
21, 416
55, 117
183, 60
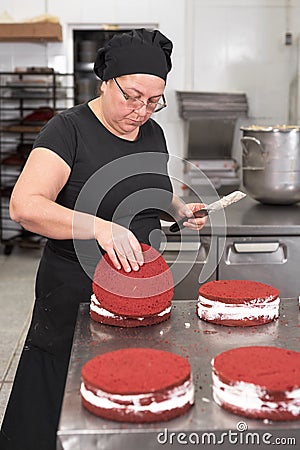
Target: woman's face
116, 113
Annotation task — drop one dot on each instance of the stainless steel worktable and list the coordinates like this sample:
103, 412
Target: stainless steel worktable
185, 335
250, 217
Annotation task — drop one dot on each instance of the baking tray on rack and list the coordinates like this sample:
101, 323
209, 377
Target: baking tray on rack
185, 334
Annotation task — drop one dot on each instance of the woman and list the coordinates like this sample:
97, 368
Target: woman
93, 152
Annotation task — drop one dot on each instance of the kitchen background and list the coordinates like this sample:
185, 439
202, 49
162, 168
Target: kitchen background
249, 47
245, 46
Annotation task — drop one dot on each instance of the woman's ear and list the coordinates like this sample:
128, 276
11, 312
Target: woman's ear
102, 87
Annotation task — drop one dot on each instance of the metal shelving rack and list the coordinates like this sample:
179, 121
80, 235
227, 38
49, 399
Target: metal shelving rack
27, 100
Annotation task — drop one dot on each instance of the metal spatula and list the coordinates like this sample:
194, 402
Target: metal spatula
215, 206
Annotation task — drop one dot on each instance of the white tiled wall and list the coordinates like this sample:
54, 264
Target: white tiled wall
244, 50
219, 45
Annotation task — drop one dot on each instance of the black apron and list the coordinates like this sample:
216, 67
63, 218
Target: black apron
32, 414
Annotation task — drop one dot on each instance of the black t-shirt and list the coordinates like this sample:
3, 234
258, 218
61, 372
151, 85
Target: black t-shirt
119, 180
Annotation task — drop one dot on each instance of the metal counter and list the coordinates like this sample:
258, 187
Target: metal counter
250, 217
187, 336
237, 244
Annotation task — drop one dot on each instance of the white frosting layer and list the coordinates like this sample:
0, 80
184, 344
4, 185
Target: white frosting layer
95, 306
250, 397
265, 308
177, 398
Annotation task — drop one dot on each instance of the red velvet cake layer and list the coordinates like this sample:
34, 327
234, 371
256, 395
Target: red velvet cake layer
137, 385
136, 371
258, 382
237, 291
129, 322
130, 417
275, 369
141, 293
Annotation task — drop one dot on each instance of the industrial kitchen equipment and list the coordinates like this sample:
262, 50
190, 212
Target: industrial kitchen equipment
210, 125
271, 163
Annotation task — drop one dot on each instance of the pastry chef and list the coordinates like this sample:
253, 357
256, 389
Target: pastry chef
96, 178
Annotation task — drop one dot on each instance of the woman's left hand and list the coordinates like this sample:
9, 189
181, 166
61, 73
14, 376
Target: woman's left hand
192, 223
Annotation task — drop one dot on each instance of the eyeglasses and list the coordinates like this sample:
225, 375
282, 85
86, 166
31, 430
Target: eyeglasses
152, 106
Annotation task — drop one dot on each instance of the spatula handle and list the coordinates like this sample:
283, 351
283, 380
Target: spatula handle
179, 225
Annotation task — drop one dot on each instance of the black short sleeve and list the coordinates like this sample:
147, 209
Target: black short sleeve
59, 136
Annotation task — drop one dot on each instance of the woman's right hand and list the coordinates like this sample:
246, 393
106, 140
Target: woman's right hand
121, 245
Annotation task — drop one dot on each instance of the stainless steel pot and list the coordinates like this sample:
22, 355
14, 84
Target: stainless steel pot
271, 163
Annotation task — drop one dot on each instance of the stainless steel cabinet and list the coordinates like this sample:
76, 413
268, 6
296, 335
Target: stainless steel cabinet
273, 260
188, 258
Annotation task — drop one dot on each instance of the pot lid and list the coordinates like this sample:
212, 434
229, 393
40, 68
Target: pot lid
275, 128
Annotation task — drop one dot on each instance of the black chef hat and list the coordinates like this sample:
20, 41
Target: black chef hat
138, 51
